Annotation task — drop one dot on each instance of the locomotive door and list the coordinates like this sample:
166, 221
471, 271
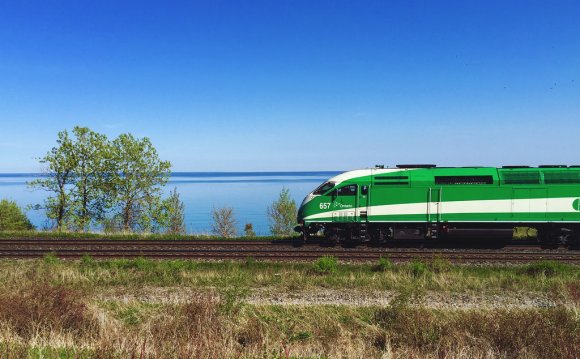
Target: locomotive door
363, 204
434, 205
344, 203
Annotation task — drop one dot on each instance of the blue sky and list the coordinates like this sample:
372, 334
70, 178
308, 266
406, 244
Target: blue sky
295, 85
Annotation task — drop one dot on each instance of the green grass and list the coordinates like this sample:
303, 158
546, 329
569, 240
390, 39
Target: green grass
436, 275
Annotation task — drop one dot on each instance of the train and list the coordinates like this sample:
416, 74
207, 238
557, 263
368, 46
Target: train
429, 202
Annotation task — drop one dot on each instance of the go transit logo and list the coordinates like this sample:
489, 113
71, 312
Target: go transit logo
576, 204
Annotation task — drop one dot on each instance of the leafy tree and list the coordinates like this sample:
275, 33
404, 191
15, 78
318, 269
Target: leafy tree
12, 218
282, 214
137, 181
224, 222
89, 194
58, 174
173, 214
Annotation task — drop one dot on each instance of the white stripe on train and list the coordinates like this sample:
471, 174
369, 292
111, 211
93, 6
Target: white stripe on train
501, 206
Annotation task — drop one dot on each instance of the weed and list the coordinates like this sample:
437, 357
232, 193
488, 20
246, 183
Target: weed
232, 297
418, 268
249, 262
300, 336
325, 265
142, 263
87, 261
440, 265
545, 268
383, 265
51, 259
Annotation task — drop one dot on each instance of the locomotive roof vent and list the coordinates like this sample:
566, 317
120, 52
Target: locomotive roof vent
575, 166
416, 166
380, 166
553, 166
515, 167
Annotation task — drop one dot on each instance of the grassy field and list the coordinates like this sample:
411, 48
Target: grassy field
185, 309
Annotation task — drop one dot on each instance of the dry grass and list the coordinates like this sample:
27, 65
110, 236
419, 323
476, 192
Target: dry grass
531, 333
51, 309
40, 307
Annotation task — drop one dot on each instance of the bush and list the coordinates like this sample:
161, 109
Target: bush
249, 230
12, 218
224, 222
282, 215
173, 214
326, 264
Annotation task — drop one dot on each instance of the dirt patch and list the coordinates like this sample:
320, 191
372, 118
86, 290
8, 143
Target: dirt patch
433, 300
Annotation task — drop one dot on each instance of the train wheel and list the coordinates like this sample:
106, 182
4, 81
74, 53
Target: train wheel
573, 240
550, 238
331, 238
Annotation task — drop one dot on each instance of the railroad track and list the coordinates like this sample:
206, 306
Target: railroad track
269, 250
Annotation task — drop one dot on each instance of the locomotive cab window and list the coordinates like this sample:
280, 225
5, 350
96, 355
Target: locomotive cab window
349, 190
364, 190
323, 188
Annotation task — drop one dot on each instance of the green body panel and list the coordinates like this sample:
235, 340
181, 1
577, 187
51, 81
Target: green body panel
451, 195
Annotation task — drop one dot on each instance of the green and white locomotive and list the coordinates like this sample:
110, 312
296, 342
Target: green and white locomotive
379, 204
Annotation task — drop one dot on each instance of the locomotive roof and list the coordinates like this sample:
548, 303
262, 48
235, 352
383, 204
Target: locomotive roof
462, 171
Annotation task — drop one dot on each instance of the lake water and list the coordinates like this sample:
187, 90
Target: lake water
248, 193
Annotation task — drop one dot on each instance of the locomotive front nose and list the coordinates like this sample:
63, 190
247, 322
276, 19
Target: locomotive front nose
300, 215
299, 220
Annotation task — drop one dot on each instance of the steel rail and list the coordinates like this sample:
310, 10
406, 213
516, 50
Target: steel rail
278, 253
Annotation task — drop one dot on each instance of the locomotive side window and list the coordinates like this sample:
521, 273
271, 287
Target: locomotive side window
323, 188
349, 190
521, 177
364, 190
463, 180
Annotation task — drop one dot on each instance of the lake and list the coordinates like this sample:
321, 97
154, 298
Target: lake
248, 193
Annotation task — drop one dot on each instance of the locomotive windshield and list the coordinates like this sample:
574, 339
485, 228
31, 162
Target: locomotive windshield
323, 188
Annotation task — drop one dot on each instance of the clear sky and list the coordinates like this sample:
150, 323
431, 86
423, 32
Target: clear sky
295, 85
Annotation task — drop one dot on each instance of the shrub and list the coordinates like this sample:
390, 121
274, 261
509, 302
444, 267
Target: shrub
326, 264
12, 218
173, 214
249, 230
282, 214
224, 222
